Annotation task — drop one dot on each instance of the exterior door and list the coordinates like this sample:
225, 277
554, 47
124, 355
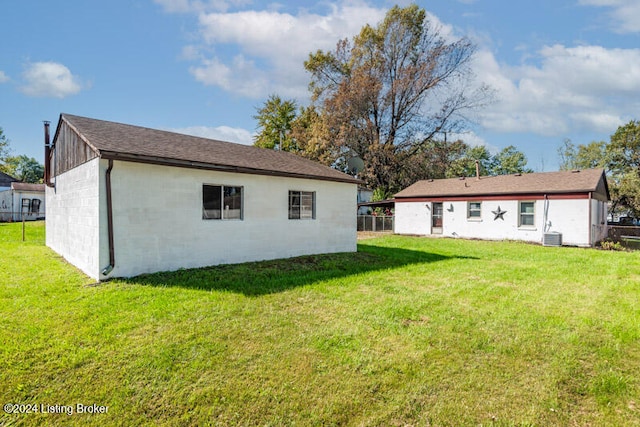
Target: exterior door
436, 218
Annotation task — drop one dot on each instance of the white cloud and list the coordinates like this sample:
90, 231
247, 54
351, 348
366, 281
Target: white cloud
221, 133
241, 76
472, 139
49, 79
186, 6
573, 88
278, 42
625, 14
3, 77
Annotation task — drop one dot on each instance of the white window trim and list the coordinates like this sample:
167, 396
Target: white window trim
474, 218
313, 205
533, 215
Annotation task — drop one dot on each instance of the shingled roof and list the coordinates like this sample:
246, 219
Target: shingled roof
25, 186
6, 180
119, 141
579, 181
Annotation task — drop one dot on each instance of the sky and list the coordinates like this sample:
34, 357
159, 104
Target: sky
558, 68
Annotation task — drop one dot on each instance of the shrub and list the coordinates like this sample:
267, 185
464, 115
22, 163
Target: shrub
610, 245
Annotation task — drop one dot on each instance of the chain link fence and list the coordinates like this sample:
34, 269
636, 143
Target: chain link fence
375, 223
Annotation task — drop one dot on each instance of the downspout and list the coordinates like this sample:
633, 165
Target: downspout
590, 222
112, 256
545, 216
47, 155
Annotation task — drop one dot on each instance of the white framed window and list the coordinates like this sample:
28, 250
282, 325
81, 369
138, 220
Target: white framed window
302, 204
222, 202
474, 210
527, 212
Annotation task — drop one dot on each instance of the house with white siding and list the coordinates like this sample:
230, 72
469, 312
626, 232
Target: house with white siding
124, 200
566, 207
22, 200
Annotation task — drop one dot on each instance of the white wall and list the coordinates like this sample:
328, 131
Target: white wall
11, 205
600, 230
158, 223
569, 217
72, 217
412, 218
6, 207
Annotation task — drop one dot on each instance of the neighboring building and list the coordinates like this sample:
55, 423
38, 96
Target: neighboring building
529, 207
22, 201
364, 195
124, 200
5, 181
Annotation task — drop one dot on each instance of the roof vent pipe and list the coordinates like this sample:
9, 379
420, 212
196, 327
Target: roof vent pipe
47, 155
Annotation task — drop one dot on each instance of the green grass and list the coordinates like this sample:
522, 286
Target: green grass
408, 331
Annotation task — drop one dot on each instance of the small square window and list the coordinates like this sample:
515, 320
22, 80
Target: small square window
302, 205
221, 202
474, 210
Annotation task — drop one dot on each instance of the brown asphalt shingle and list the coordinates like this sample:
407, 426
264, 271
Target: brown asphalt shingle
528, 183
25, 186
110, 137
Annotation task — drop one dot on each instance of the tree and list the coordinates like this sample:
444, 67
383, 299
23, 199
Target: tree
567, 153
25, 169
624, 148
466, 165
386, 94
508, 161
274, 121
592, 155
4, 149
621, 160
623, 153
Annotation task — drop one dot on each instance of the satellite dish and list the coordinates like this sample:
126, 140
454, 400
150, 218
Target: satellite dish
355, 165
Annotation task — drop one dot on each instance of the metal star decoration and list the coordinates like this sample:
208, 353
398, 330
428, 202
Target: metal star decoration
499, 213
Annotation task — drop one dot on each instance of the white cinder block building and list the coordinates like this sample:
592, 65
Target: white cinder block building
124, 200
567, 206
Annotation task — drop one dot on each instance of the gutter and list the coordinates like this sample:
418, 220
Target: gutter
112, 257
47, 155
155, 160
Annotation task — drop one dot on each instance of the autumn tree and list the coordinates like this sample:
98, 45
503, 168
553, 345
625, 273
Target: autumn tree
274, 124
386, 94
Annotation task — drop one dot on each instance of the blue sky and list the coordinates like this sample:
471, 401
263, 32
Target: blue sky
560, 69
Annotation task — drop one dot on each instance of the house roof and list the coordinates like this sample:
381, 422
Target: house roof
6, 180
23, 186
134, 143
579, 181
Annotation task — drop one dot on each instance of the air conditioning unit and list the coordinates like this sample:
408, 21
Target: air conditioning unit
552, 239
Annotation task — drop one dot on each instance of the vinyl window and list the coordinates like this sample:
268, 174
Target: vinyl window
222, 202
302, 205
527, 212
474, 210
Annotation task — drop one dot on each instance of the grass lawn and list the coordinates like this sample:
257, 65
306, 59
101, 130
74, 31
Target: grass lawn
408, 331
